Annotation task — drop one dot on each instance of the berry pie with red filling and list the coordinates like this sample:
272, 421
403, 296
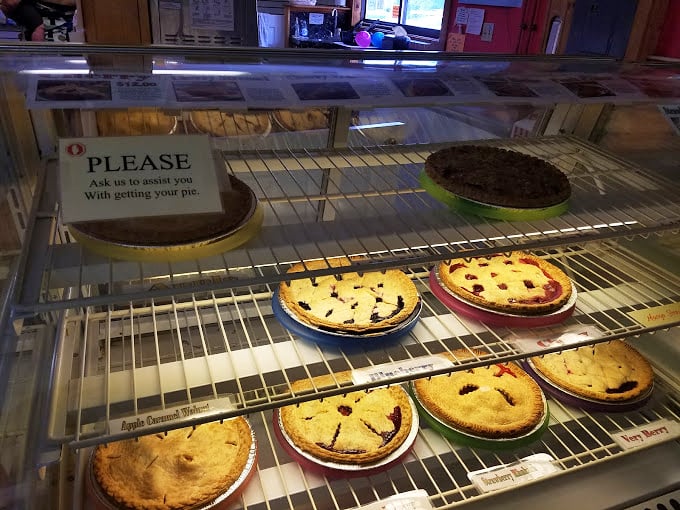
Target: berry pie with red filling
516, 283
353, 302
495, 401
360, 427
612, 371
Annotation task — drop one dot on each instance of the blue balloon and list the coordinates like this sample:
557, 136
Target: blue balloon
377, 39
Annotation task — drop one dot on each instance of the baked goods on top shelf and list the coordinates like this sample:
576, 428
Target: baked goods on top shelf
359, 427
495, 401
517, 283
221, 124
311, 118
357, 302
134, 122
498, 177
183, 468
608, 372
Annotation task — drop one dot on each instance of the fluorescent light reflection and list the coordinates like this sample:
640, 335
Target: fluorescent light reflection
199, 72
55, 71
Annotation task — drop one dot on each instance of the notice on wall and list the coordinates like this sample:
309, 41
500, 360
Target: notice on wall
212, 14
129, 177
475, 21
455, 42
462, 14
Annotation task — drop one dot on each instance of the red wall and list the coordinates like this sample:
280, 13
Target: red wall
669, 41
507, 36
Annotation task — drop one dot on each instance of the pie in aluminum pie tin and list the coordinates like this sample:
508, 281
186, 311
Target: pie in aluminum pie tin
572, 399
497, 212
291, 322
225, 241
337, 469
96, 497
496, 318
466, 438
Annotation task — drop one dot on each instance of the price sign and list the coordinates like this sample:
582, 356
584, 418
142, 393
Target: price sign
529, 468
386, 371
650, 433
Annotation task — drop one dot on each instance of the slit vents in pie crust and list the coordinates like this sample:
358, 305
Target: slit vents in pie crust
610, 372
359, 427
517, 283
183, 468
357, 302
495, 401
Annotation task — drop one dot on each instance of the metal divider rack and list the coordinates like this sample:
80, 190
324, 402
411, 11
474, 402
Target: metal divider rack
136, 337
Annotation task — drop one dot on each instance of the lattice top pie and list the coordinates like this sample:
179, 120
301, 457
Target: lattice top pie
141, 121
612, 371
359, 427
180, 469
498, 177
514, 283
350, 301
218, 123
495, 401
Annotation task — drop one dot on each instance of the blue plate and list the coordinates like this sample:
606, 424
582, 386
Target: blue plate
338, 339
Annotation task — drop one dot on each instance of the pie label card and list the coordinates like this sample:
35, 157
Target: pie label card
412, 500
505, 476
406, 368
531, 342
170, 415
129, 177
650, 433
658, 315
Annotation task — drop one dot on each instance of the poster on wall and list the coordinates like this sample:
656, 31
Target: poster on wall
497, 3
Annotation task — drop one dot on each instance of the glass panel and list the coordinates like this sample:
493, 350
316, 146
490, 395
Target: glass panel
383, 10
424, 13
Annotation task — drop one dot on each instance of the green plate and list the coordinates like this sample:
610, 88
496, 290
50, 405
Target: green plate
487, 210
473, 441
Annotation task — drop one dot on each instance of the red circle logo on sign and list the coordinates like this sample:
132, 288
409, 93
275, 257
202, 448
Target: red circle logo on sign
76, 149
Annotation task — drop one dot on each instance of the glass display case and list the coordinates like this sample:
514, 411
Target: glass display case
102, 344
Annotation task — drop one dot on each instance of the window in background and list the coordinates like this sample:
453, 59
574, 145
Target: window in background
425, 16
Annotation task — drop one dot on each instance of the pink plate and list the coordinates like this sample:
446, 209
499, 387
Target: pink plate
498, 318
338, 470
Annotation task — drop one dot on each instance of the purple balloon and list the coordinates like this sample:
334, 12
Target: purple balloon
363, 39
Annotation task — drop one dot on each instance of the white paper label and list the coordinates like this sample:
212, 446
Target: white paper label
128, 177
421, 365
654, 432
462, 14
316, 18
412, 500
512, 475
212, 14
532, 342
475, 21
170, 415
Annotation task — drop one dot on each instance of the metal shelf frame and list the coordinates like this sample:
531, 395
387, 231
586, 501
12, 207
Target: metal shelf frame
135, 359
354, 202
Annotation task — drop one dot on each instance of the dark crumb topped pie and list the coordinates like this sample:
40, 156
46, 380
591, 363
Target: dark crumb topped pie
350, 301
517, 283
498, 177
360, 427
495, 401
611, 371
181, 469
172, 230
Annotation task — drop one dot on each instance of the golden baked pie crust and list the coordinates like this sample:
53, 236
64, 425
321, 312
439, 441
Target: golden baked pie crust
347, 428
142, 121
516, 276
590, 371
219, 124
181, 469
495, 401
350, 301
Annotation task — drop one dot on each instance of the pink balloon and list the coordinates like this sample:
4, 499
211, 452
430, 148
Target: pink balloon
363, 39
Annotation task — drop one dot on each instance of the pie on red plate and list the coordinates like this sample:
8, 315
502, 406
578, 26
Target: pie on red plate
516, 283
359, 427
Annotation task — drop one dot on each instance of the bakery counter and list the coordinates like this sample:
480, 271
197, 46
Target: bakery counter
233, 352
321, 203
